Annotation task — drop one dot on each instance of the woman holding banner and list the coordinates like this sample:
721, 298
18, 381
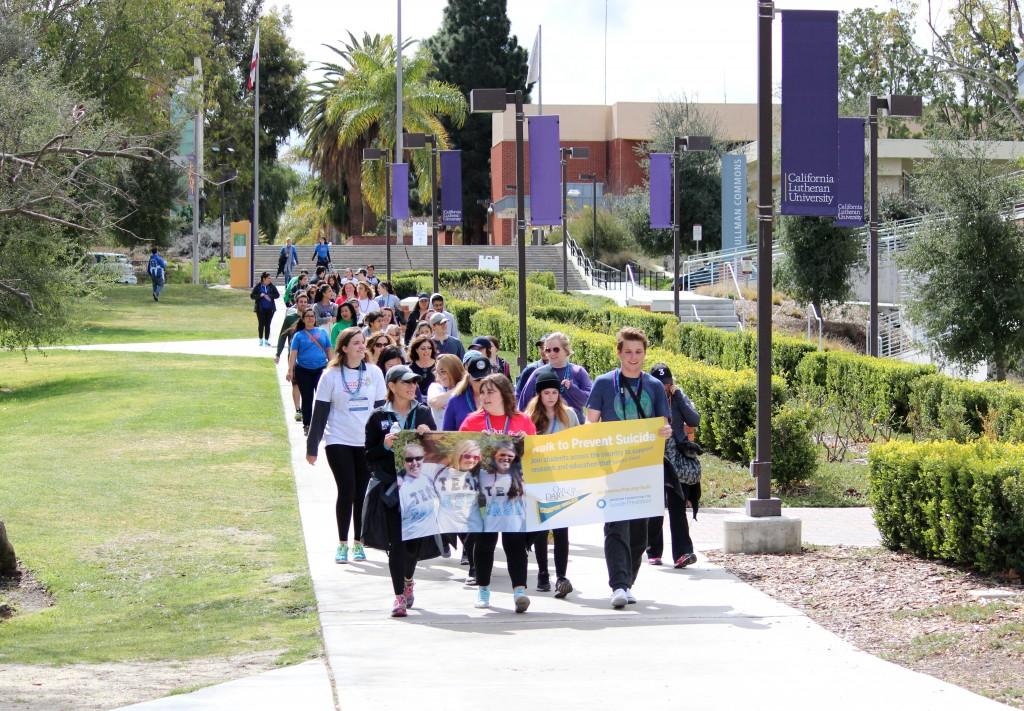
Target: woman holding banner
498, 414
549, 414
400, 412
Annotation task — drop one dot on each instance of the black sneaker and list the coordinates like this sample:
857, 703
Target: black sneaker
685, 560
543, 582
562, 588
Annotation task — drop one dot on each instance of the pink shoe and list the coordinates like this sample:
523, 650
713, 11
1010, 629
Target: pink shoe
685, 560
398, 609
654, 561
408, 594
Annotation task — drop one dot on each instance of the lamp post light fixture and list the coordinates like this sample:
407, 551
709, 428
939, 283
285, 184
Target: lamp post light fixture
228, 151
381, 154
680, 144
566, 154
896, 105
489, 101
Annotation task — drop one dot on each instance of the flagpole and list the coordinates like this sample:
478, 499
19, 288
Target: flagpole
256, 165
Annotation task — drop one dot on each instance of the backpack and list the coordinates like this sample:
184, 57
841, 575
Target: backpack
155, 269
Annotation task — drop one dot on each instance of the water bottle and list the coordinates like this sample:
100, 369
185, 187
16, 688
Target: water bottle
395, 428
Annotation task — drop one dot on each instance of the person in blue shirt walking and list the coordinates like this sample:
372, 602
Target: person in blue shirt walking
157, 270
288, 260
309, 352
627, 393
322, 253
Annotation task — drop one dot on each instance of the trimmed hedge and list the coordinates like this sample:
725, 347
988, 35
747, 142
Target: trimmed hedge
727, 400
609, 319
961, 410
411, 283
463, 312
878, 387
735, 350
961, 503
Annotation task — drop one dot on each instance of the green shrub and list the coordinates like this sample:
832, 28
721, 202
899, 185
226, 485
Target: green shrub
962, 503
607, 320
794, 456
463, 312
410, 283
961, 410
545, 279
727, 400
735, 350
876, 387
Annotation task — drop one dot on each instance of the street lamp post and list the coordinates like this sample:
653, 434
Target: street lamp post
680, 144
495, 101
566, 154
896, 105
380, 154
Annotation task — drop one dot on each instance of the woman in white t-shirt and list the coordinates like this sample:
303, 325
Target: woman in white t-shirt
364, 295
448, 372
347, 393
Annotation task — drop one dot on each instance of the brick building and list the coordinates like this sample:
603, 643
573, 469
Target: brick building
612, 133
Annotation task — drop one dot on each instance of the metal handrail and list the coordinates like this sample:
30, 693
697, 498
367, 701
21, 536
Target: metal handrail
696, 316
821, 324
735, 281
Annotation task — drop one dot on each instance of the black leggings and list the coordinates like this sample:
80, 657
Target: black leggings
402, 555
263, 319
678, 526
540, 549
307, 380
514, 545
348, 464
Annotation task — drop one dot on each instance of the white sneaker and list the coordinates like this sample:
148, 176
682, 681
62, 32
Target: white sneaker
630, 598
619, 599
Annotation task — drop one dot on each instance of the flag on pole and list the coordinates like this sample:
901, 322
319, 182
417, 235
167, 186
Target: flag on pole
254, 63
533, 73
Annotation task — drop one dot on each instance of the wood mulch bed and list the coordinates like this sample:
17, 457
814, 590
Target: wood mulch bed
917, 613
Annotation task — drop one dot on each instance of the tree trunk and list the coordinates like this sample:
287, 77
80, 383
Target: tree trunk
8, 563
1000, 364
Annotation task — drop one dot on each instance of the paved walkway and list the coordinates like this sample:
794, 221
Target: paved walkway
698, 639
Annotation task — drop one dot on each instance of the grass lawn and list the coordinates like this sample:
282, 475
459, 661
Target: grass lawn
152, 494
727, 484
128, 314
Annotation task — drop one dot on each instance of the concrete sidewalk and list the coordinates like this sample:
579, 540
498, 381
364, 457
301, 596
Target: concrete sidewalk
697, 639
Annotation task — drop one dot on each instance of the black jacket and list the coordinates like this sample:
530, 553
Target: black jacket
379, 459
683, 413
255, 296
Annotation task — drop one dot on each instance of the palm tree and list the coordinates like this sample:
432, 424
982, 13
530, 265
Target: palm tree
353, 107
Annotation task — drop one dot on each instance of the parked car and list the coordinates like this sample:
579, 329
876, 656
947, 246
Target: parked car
114, 264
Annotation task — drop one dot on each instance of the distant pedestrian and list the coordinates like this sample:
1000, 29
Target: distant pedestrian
524, 376
264, 296
157, 270
445, 343
437, 304
322, 254
287, 260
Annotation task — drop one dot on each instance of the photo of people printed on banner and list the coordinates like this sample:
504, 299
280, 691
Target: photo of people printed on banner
460, 482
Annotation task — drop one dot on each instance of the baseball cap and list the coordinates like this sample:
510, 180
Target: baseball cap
438, 319
662, 373
540, 341
545, 379
401, 373
423, 295
476, 365
481, 342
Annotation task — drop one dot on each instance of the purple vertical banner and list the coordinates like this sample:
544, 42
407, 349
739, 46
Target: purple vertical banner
810, 112
850, 189
399, 191
661, 191
451, 188
545, 171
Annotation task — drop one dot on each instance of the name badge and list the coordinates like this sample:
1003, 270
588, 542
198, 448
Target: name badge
358, 404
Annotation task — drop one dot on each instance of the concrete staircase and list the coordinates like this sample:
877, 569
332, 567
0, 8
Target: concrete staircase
542, 258
694, 308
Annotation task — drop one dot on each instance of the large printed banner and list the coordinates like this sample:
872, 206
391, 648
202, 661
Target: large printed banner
810, 112
850, 192
661, 191
471, 482
399, 191
545, 171
734, 201
451, 188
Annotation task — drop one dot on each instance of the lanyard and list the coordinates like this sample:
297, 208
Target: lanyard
359, 381
487, 423
470, 401
410, 419
622, 387
564, 374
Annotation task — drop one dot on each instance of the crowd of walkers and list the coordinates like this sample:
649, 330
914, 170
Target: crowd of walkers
363, 368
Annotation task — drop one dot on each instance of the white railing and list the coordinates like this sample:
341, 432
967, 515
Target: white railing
696, 316
813, 313
599, 275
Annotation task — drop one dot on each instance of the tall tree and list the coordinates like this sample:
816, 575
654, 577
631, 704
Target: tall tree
353, 107
878, 55
473, 49
819, 259
968, 295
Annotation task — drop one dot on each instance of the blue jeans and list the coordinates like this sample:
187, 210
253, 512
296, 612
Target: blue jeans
158, 286
287, 271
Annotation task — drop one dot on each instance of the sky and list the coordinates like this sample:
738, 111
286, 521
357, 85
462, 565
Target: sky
656, 49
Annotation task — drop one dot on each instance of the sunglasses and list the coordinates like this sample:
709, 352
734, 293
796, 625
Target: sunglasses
553, 349
410, 460
380, 345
